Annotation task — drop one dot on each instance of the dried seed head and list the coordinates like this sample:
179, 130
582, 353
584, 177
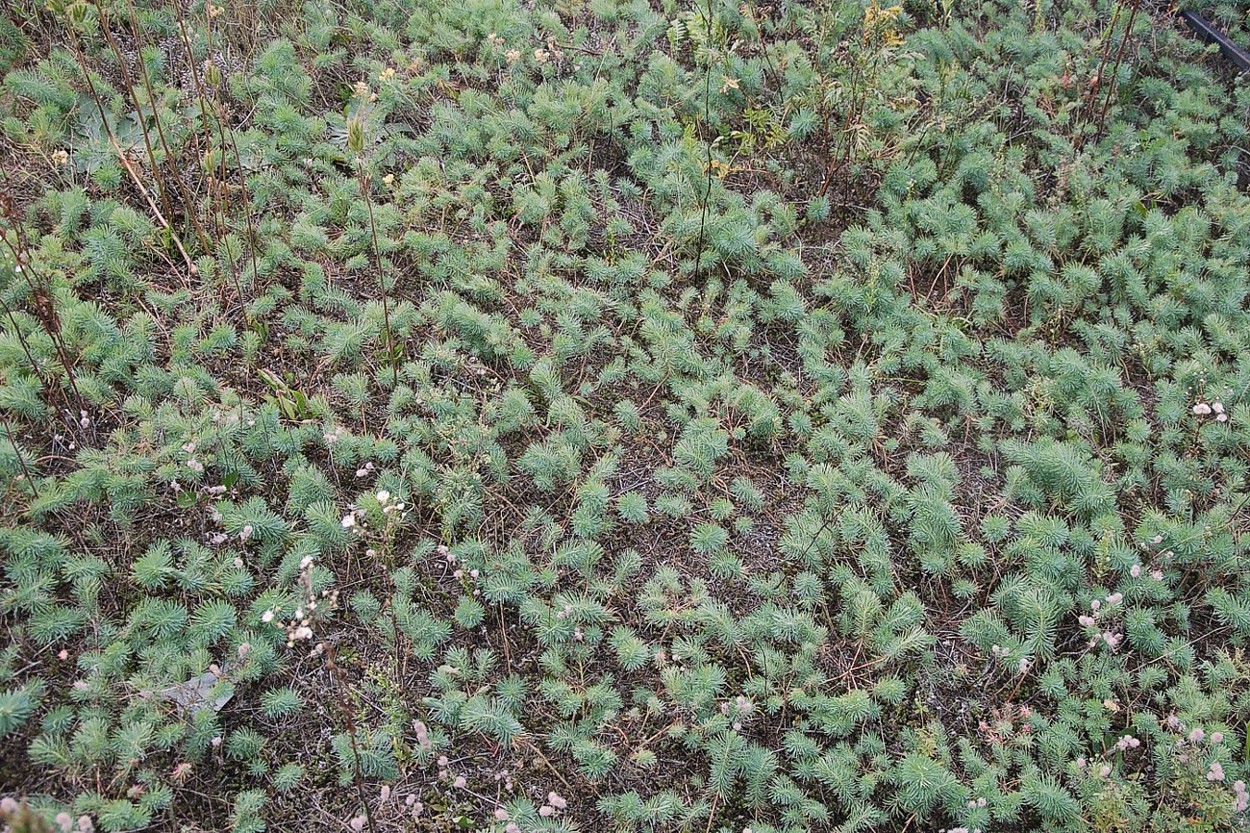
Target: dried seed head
356, 135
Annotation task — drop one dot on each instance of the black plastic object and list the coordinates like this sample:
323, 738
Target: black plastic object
1207, 31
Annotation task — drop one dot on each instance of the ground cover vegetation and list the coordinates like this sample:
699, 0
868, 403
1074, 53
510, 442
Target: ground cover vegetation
622, 415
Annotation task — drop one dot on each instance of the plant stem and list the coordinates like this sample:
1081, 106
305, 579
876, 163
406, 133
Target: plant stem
350, 722
45, 304
190, 203
134, 100
76, 48
17, 452
707, 125
1115, 71
251, 225
362, 179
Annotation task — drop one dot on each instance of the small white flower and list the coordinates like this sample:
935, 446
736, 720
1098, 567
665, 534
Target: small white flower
267, 616
383, 496
349, 521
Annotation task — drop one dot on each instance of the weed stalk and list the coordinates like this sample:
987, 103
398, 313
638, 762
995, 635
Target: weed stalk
350, 722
